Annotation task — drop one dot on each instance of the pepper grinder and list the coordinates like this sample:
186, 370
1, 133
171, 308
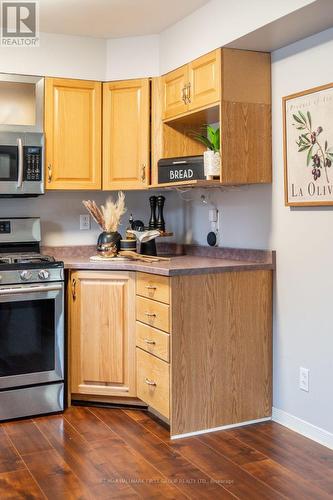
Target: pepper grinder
153, 220
160, 219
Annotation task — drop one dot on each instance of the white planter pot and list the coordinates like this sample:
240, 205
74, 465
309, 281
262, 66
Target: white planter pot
212, 164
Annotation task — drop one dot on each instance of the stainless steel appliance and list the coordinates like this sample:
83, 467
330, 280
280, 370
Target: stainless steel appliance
31, 323
21, 135
21, 164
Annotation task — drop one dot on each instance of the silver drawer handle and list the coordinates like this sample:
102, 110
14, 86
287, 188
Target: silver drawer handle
150, 315
150, 287
151, 342
150, 382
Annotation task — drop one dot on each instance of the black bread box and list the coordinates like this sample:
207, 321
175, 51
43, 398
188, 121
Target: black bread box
187, 168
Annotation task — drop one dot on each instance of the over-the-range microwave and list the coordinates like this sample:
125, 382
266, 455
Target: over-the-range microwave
21, 135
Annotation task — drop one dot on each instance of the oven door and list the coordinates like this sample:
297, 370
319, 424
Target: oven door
31, 334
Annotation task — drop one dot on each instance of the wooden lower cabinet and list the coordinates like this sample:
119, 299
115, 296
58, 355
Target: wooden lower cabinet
220, 338
221, 356
202, 359
153, 382
102, 333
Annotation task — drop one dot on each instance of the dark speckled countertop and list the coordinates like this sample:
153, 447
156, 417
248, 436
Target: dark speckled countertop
184, 259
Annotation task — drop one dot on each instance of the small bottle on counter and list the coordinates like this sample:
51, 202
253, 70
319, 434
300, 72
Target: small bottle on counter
130, 236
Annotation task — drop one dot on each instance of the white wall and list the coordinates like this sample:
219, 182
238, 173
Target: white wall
218, 23
245, 216
304, 241
133, 57
57, 55
60, 212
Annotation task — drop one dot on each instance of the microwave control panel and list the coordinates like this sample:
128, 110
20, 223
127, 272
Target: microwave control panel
32, 163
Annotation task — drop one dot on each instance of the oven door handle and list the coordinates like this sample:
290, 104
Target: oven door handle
20, 163
30, 289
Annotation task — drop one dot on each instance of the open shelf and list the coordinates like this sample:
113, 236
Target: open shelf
209, 114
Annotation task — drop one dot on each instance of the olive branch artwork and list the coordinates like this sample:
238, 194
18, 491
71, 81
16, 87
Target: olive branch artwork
319, 155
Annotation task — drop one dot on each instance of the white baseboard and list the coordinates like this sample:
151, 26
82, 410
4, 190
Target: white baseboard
222, 428
302, 427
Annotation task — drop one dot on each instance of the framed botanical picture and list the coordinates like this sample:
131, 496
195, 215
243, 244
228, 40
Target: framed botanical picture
308, 147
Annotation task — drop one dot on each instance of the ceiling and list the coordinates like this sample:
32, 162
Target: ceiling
304, 22
113, 18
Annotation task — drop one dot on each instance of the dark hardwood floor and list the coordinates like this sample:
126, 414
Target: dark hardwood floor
90, 453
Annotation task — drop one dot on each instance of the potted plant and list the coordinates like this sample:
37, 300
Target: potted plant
212, 157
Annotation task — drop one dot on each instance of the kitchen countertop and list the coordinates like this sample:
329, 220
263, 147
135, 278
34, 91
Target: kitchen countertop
197, 260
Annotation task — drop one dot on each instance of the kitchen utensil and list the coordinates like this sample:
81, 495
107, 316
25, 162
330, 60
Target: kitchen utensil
144, 258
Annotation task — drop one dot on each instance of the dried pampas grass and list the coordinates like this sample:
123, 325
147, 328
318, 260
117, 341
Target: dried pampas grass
107, 216
112, 212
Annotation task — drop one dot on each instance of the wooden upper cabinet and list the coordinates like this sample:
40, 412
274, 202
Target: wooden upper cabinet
193, 86
174, 92
102, 333
126, 134
204, 87
73, 134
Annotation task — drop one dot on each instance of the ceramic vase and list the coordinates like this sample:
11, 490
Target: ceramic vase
212, 164
107, 238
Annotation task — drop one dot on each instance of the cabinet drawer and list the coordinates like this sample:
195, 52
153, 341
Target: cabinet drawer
153, 313
152, 340
153, 381
153, 287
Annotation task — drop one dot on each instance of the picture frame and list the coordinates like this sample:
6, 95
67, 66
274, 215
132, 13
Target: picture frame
308, 147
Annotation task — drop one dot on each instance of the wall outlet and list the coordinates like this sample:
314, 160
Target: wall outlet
304, 378
84, 222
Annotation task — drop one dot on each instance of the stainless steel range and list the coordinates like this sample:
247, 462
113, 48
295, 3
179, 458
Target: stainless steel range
31, 323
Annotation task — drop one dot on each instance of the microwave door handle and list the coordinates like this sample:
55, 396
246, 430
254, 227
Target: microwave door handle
20, 163
29, 289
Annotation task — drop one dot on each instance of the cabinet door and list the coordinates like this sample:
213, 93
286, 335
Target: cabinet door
204, 80
103, 333
126, 134
174, 90
73, 134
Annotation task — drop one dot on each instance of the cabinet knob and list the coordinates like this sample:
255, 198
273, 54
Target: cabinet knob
150, 287
74, 288
150, 382
150, 315
49, 173
188, 93
150, 342
143, 172
183, 96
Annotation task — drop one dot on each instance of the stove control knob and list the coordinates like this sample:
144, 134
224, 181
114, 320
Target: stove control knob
43, 274
25, 275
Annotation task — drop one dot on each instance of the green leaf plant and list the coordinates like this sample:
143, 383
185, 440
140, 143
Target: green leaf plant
210, 137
